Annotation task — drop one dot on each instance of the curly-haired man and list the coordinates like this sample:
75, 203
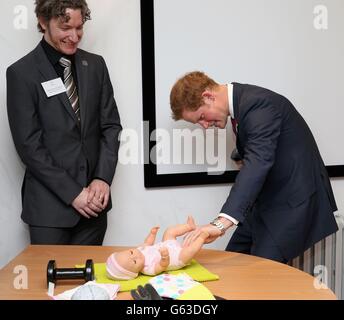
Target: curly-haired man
65, 126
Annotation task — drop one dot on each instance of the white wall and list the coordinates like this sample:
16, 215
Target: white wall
113, 32
276, 44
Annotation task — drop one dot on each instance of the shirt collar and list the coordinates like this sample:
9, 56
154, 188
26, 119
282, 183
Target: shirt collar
53, 55
230, 99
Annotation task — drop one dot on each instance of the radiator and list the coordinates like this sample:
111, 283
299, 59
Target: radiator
325, 260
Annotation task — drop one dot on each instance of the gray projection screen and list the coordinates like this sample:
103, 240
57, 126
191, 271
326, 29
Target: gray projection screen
293, 47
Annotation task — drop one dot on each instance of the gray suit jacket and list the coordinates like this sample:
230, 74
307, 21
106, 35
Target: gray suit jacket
60, 157
284, 179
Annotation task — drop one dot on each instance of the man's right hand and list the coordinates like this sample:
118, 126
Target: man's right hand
81, 205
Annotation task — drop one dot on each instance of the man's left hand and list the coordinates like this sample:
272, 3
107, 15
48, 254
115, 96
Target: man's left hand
99, 193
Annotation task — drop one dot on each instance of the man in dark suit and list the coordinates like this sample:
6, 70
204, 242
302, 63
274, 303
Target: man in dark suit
282, 200
65, 126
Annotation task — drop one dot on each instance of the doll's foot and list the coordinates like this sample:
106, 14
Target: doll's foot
191, 223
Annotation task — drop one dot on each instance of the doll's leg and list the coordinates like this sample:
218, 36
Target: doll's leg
187, 253
179, 230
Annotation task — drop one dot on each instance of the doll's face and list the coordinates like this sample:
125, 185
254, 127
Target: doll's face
132, 260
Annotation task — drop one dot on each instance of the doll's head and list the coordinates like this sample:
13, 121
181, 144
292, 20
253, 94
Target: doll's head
125, 265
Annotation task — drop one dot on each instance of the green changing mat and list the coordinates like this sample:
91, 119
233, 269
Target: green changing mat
194, 270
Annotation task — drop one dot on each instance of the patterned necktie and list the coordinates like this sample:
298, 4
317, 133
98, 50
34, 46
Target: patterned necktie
70, 86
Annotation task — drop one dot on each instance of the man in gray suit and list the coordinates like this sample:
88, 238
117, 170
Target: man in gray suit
282, 200
65, 126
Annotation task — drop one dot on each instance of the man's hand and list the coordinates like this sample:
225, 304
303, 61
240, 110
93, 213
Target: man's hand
213, 232
99, 194
81, 205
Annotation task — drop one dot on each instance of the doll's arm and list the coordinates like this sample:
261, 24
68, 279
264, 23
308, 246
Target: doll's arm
164, 261
149, 241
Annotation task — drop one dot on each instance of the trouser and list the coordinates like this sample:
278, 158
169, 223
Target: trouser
85, 232
253, 237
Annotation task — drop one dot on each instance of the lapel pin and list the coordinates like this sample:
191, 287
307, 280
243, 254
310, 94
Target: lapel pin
84, 63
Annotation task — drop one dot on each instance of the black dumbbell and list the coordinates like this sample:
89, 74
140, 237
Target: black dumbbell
54, 274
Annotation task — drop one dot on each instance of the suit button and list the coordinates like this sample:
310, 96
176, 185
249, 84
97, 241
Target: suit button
82, 168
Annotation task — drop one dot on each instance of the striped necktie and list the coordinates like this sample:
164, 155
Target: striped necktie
70, 86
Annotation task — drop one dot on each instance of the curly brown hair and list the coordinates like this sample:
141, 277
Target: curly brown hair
48, 9
186, 93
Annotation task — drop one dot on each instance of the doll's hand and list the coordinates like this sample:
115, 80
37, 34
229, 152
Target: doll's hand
164, 252
165, 257
150, 239
155, 230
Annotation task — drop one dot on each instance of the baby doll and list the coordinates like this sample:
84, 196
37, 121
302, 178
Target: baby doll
152, 259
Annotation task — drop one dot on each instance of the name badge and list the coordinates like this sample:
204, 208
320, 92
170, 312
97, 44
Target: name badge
53, 87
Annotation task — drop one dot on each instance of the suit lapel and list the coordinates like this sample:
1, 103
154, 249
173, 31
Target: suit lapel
81, 65
49, 73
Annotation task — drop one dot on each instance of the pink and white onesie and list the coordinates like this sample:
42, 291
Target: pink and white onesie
152, 256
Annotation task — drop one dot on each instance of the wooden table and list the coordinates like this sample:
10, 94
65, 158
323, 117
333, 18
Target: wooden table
241, 276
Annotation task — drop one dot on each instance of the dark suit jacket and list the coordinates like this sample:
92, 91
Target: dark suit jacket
283, 179
60, 157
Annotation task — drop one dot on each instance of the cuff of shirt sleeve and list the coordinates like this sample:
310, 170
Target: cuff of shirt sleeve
224, 215
98, 178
